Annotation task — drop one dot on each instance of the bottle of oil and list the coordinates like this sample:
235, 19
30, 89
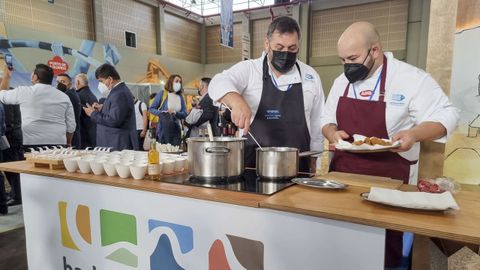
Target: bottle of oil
153, 166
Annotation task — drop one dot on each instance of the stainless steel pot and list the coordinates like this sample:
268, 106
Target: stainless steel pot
219, 159
279, 162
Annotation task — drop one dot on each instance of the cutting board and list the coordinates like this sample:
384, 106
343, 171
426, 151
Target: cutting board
362, 180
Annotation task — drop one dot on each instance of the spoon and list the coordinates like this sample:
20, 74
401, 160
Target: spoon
249, 133
209, 130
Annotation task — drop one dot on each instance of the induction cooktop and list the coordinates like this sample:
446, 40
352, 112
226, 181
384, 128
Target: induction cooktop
248, 182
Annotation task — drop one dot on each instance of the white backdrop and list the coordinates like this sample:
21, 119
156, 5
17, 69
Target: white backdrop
290, 241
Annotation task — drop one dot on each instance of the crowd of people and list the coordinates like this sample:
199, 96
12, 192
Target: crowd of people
70, 115
263, 96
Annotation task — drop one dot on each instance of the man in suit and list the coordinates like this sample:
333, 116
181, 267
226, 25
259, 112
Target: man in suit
88, 128
204, 112
115, 118
64, 84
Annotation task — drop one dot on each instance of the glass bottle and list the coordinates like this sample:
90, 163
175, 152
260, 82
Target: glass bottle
153, 167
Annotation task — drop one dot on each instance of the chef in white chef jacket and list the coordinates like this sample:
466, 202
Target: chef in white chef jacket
416, 108
378, 95
267, 95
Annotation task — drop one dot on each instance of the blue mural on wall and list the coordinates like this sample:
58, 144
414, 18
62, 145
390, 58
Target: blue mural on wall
83, 58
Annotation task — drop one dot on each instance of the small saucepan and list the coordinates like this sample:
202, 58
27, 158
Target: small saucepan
279, 163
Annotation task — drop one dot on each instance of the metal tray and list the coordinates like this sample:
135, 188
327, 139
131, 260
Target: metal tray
319, 183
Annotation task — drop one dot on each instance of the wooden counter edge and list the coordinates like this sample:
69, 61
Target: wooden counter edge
215, 195
387, 225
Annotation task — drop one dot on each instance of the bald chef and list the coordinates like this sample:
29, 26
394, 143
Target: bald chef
267, 95
378, 95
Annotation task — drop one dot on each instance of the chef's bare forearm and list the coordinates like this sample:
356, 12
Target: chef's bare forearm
5, 84
231, 99
329, 131
428, 131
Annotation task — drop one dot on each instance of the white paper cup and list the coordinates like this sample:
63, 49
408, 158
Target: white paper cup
179, 164
97, 166
138, 171
123, 170
84, 165
110, 169
168, 166
71, 164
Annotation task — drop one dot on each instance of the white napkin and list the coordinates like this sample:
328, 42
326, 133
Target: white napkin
414, 200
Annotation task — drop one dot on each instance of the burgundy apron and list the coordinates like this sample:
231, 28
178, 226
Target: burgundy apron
279, 121
368, 118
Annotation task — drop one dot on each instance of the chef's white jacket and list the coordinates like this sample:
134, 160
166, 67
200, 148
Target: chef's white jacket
246, 78
412, 96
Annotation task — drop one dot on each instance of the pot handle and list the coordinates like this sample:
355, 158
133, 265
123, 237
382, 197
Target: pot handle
309, 153
217, 150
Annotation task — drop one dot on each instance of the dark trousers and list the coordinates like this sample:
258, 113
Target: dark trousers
171, 132
14, 153
140, 140
77, 140
88, 136
3, 192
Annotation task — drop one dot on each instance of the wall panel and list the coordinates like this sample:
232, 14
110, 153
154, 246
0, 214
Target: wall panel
128, 15
65, 17
390, 18
182, 38
217, 53
259, 32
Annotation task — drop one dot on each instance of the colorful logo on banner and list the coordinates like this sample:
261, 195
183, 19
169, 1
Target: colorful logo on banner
58, 65
116, 227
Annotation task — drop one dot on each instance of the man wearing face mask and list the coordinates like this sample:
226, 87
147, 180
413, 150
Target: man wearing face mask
47, 114
378, 95
64, 84
205, 112
115, 119
268, 95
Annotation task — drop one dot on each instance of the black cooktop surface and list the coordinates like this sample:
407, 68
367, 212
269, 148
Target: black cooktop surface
248, 182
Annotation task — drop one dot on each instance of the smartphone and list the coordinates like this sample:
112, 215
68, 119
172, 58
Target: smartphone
9, 61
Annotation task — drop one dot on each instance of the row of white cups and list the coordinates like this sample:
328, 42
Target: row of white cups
126, 164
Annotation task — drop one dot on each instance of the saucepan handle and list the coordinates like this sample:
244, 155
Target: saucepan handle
309, 153
217, 150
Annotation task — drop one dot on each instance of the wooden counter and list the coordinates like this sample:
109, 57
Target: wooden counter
210, 194
344, 205
348, 205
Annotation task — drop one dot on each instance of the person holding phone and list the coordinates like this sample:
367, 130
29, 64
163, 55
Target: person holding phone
9, 61
47, 114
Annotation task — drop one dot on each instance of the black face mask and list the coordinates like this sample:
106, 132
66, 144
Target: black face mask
62, 87
283, 61
355, 71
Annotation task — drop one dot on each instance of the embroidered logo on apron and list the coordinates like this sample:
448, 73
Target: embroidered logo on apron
273, 114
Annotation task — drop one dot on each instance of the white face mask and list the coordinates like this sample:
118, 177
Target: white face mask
177, 86
103, 89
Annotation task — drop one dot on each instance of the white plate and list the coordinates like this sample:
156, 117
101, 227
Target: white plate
364, 148
319, 183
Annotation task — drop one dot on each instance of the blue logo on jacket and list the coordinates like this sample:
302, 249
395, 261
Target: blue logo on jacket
309, 77
398, 97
